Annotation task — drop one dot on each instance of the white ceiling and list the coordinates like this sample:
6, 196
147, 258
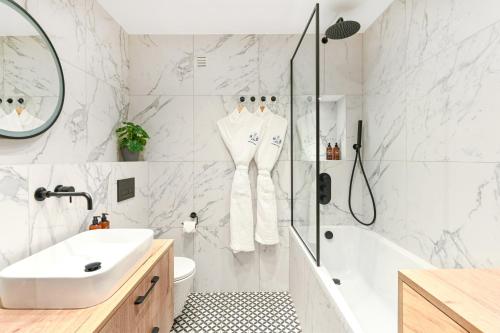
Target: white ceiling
235, 16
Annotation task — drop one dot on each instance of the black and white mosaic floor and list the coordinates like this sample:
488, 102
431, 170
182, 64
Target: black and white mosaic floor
238, 313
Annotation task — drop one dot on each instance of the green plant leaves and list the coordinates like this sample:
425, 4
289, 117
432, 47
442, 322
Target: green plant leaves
132, 136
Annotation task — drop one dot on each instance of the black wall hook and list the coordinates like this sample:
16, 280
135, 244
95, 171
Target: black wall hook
252, 98
263, 98
21, 100
10, 100
273, 98
242, 99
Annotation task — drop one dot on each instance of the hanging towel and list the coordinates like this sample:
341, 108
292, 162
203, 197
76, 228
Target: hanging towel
274, 130
241, 132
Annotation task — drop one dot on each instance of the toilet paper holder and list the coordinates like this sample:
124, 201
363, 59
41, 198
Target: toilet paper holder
193, 215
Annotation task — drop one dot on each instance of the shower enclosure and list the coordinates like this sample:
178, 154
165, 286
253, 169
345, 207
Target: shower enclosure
305, 135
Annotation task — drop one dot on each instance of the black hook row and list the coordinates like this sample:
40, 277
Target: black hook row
263, 99
10, 100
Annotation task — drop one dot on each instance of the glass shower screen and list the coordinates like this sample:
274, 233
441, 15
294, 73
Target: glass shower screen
305, 135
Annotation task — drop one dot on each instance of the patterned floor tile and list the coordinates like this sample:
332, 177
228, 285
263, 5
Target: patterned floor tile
246, 312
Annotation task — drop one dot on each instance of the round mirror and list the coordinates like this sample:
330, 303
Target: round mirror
31, 77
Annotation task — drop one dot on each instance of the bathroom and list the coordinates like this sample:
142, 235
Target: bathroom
420, 75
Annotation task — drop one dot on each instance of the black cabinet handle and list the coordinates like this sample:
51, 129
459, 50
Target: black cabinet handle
155, 330
141, 299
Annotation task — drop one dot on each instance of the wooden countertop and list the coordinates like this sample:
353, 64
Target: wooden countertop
79, 320
471, 297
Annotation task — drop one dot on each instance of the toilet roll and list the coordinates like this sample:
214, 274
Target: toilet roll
189, 227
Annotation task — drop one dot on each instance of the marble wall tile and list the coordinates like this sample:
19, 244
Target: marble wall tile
105, 111
427, 113
212, 192
218, 268
428, 184
208, 144
388, 183
275, 52
105, 43
169, 122
274, 269
471, 237
472, 98
171, 194
161, 65
343, 66
384, 47
14, 207
68, 33
435, 26
133, 212
447, 212
232, 65
384, 130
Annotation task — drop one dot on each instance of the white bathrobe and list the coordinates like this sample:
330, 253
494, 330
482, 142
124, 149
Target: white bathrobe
241, 132
273, 137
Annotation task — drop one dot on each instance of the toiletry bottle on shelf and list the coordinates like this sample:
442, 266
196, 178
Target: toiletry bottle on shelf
336, 152
104, 221
95, 223
329, 152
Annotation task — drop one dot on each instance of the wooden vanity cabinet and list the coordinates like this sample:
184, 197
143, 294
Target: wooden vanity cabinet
449, 301
152, 314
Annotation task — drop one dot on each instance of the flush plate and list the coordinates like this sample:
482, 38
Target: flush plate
125, 189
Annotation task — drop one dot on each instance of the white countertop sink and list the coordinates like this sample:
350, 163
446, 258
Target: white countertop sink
55, 278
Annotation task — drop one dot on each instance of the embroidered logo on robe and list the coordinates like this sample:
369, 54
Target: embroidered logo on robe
253, 138
276, 140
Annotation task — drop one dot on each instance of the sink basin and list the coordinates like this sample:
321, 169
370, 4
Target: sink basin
56, 278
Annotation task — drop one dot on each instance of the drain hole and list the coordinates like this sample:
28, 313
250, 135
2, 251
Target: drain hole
337, 282
94, 266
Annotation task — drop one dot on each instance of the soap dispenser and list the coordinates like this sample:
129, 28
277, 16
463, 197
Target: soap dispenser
104, 221
95, 223
336, 152
329, 152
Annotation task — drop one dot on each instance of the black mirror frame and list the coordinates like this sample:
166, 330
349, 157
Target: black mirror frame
60, 102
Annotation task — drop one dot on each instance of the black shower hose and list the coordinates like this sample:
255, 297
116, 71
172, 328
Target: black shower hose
358, 156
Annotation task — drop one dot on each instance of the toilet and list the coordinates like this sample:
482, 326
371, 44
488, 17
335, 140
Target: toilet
184, 269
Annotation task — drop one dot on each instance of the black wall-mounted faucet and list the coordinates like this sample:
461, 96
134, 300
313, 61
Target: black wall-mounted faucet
62, 191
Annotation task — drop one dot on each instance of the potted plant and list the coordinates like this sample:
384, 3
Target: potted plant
132, 139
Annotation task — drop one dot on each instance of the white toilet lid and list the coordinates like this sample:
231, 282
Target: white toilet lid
183, 267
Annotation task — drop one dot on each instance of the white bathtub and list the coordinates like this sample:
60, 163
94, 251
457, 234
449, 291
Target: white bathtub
366, 265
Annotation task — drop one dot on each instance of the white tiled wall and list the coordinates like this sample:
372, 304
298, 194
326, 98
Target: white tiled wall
190, 169
431, 103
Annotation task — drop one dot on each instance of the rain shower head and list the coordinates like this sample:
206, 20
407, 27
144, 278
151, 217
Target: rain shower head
341, 29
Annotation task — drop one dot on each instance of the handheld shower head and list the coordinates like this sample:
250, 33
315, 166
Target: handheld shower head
357, 145
341, 29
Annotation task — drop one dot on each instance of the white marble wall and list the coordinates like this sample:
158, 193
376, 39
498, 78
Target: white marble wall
80, 148
190, 169
430, 103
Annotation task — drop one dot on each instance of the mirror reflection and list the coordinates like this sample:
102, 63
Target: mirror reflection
30, 78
